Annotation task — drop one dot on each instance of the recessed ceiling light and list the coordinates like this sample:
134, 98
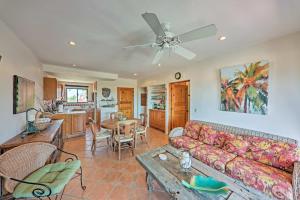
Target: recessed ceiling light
135, 74
74, 65
222, 38
159, 64
72, 43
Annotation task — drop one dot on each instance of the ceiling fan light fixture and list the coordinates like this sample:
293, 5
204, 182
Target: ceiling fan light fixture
221, 38
72, 43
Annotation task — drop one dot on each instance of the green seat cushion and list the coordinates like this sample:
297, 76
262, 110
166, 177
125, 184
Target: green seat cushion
56, 176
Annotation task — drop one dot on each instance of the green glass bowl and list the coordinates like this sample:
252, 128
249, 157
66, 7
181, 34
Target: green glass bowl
202, 183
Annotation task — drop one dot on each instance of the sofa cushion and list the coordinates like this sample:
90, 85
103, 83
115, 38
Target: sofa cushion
236, 145
278, 154
208, 135
212, 156
272, 181
283, 160
184, 142
192, 129
55, 176
260, 143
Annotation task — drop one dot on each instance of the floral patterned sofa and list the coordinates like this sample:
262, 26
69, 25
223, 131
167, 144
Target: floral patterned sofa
262, 161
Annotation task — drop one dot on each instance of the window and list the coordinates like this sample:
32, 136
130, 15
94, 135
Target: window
77, 95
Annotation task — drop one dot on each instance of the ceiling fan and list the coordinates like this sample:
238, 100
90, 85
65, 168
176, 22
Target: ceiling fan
168, 41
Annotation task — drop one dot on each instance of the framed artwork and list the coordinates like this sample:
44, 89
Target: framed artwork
23, 94
244, 88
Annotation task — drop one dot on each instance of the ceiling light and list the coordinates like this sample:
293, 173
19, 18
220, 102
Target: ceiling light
74, 65
159, 64
135, 74
222, 38
72, 43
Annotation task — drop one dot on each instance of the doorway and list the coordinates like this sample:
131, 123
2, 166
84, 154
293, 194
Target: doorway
126, 101
179, 104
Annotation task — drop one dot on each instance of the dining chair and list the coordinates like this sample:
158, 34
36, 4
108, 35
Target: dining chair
141, 128
115, 115
103, 134
126, 140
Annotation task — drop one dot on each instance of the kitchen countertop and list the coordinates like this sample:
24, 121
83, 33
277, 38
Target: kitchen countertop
72, 112
163, 110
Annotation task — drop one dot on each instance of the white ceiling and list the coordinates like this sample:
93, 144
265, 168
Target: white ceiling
102, 28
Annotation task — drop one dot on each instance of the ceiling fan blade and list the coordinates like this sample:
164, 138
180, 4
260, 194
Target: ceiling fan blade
140, 45
198, 33
158, 56
184, 52
154, 23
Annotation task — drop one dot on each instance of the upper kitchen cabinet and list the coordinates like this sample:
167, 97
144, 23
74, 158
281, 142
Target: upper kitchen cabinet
50, 88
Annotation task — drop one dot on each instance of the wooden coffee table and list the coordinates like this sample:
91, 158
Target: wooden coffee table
169, 175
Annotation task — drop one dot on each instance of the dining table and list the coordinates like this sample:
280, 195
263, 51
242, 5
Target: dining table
112, 124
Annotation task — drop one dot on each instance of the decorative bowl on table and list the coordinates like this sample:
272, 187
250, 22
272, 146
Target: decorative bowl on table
206, 184
42, 123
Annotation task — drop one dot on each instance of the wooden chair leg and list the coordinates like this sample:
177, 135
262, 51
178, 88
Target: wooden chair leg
145, 136
135, 142
119, 150
114, 146
93, 146
132, 147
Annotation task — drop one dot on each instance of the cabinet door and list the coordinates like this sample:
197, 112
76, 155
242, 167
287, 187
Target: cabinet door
78, 123
50, 88
162, 121
67, 125
151, 118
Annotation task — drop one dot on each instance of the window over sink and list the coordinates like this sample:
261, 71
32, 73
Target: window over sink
77, 95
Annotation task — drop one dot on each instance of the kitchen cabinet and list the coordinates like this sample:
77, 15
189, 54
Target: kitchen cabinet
74, 123
78, 124
50, 88
157, 119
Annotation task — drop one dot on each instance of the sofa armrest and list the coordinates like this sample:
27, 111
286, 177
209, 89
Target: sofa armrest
176, 132
296, 180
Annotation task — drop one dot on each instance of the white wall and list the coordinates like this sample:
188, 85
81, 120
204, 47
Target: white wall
283, 116
17, 59
120, 82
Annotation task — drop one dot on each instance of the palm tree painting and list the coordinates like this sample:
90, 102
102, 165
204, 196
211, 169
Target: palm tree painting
244, 88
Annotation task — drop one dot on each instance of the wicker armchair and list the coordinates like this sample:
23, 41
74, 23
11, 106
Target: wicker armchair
26, 175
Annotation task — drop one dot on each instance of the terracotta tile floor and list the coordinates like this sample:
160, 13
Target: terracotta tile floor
108, 178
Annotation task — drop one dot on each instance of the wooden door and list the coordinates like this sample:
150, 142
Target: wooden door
126, 101
144, 99
179, 93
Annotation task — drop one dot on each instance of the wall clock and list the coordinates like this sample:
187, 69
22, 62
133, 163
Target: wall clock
177, 75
